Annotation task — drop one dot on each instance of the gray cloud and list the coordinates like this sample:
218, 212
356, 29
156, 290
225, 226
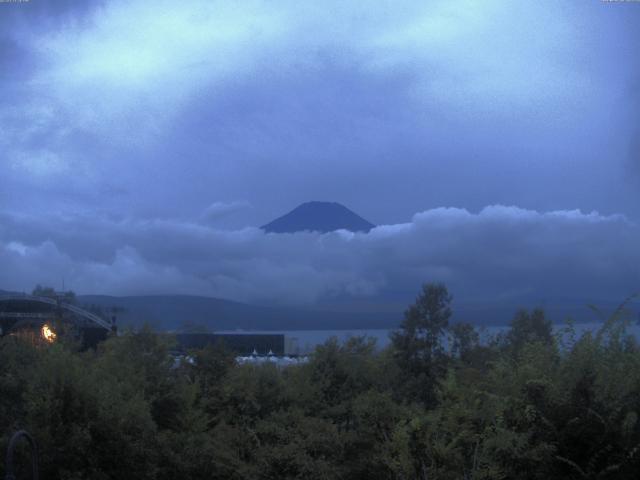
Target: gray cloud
171, 101
217, 210
499, 253
122, 121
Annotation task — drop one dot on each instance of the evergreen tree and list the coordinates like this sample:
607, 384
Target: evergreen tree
417, 345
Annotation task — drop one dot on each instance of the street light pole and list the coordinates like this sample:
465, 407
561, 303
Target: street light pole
10, 475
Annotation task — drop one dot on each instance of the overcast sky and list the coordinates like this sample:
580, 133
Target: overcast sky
497, 142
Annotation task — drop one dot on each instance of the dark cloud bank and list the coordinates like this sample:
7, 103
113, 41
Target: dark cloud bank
499, 254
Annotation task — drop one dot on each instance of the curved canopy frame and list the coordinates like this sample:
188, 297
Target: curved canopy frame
66, 306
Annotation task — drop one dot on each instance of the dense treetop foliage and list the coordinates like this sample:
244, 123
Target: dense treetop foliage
49, 292
436, 404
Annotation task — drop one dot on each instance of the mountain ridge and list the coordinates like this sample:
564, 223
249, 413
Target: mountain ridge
188, 312
319, 216
175, 312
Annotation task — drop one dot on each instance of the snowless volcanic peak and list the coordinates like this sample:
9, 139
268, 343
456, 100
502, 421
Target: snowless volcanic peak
319, 217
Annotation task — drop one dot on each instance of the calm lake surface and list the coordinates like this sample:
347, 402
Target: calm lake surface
307, 340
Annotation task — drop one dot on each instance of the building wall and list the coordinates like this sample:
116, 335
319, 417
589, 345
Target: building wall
241, 344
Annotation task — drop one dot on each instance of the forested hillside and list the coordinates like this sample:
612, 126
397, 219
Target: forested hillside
528, 405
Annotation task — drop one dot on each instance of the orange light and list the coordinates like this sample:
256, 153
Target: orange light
48, 334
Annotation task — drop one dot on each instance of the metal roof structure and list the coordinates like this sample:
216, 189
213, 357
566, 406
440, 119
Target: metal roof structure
92, 319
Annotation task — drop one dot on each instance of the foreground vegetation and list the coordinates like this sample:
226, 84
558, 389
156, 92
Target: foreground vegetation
526, 405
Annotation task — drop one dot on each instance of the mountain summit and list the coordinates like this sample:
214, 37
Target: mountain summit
318, 217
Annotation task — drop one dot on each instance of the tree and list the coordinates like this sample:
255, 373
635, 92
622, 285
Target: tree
464, 340
42, 291
529, 328
417, 345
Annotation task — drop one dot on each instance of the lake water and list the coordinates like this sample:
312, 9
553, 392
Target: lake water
304, 341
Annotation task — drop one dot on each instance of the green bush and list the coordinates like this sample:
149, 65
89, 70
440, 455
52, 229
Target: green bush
528, 405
